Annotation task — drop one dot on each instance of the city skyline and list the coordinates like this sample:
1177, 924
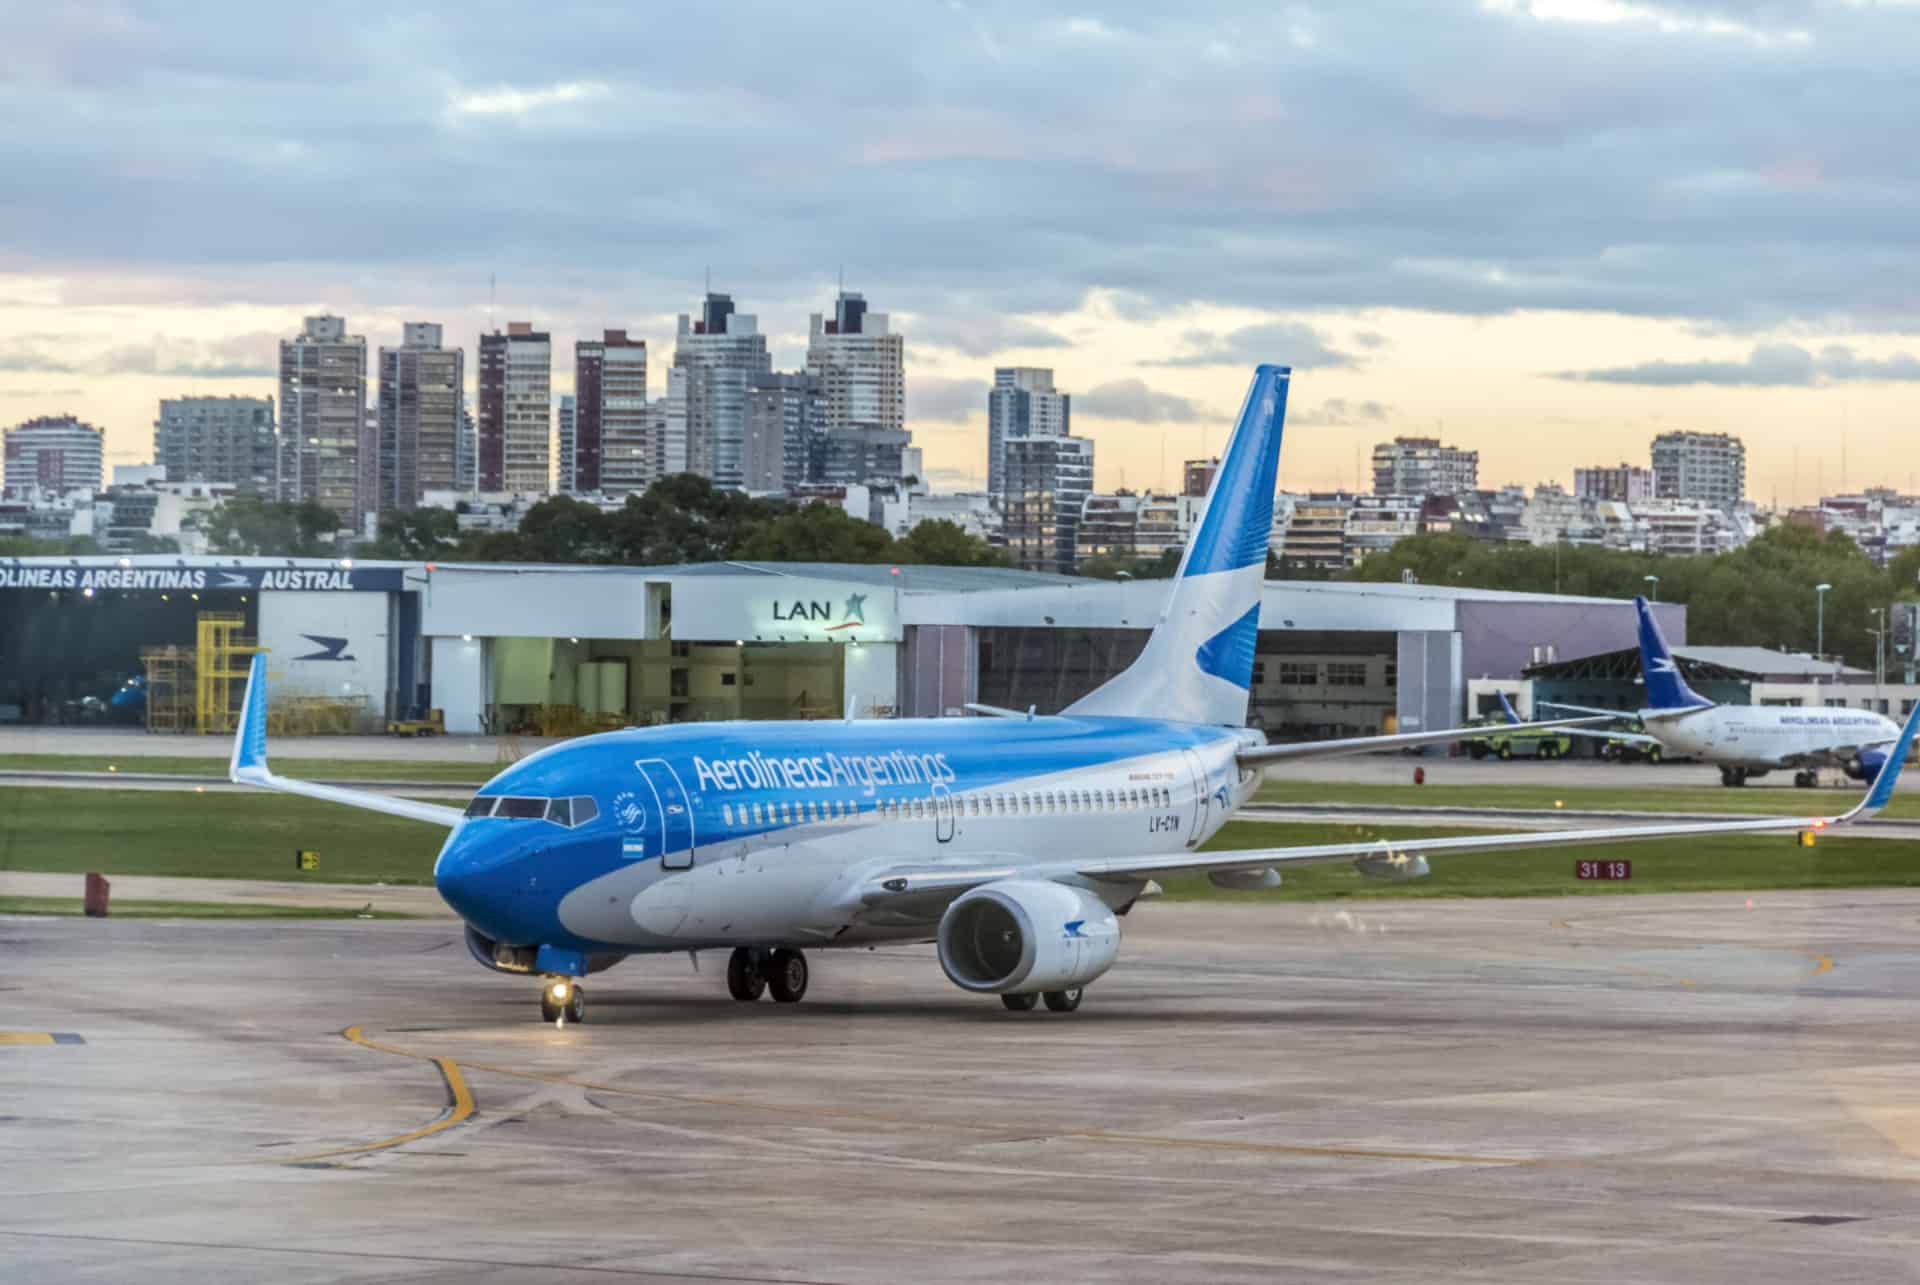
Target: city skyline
1545, 231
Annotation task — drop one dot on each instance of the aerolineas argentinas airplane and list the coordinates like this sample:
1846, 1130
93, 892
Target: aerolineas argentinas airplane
1746, 741
1014, 843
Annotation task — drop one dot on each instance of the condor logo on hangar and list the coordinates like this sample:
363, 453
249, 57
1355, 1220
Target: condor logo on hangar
330, 648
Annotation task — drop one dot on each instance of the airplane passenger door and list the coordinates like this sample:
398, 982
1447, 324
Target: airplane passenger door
1201, 802
673, 813
943, 812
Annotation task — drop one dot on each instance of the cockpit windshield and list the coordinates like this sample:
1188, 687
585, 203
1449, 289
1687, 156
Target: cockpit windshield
569, 812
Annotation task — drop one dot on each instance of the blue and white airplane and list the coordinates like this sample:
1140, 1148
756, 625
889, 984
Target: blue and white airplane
1015, 843
1745, 741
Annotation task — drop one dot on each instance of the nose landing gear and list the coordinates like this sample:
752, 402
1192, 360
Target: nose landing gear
563, 1000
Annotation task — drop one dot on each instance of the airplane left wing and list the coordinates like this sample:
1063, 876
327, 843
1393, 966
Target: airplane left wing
248, 765
1387, 859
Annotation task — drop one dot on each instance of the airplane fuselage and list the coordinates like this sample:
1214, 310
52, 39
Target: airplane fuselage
1764, 737
761, 833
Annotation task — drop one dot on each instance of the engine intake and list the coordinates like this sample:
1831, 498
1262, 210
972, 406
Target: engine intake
1027, 935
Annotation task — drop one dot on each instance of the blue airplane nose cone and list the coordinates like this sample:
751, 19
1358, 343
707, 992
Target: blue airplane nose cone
476, 875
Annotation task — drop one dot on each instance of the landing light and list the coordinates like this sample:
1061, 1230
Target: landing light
559, 990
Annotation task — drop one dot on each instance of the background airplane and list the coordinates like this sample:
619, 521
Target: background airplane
1015, 843
1744, 741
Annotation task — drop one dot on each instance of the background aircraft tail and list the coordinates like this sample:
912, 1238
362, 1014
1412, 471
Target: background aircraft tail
1666, 689
1198, 665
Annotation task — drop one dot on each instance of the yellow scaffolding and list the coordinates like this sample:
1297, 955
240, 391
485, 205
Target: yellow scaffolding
222, 661
169, 679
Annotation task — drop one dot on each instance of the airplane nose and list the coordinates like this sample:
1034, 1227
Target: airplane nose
475, 876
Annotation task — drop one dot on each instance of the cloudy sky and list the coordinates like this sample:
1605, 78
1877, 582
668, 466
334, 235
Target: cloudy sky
1544, 228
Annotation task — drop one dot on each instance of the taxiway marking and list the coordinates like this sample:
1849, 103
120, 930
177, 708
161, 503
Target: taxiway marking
459, 1104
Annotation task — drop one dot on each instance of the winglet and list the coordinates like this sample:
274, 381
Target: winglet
250, 738
1889, 775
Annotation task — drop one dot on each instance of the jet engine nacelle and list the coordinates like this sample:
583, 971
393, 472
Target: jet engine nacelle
1027, 935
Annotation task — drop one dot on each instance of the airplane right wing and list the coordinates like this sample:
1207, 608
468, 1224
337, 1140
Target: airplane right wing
926, 884
1268, 755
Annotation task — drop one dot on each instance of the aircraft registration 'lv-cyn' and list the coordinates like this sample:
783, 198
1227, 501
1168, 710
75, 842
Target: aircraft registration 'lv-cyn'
1013, 842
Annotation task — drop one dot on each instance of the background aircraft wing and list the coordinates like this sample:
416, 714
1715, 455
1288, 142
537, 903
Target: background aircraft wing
1396, 860
1267, 755
249, 765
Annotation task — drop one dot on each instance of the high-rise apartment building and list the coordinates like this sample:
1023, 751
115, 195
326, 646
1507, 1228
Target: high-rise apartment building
516, 410
860, 363
323, 417
863, 456
1710, 468
613, 450
1048, 479
1022, 403
786, 427
466, 476
227, 440
1419, 466
56, 453
1627, 483
421, 399
722, 353
1197, 476
566, 426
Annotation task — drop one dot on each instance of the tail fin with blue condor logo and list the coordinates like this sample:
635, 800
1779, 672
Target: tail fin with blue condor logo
1666, 689
1198, 665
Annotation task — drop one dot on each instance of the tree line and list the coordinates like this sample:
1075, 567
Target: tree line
1761, 594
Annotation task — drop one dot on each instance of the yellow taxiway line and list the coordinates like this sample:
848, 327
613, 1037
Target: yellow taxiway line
459, 1105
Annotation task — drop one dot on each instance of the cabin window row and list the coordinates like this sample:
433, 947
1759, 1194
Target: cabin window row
1010, 803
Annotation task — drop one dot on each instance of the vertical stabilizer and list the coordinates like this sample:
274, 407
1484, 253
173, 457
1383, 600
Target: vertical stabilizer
1198, 665
1666, 689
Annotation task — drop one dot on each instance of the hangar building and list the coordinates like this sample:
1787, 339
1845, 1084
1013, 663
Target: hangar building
552, 649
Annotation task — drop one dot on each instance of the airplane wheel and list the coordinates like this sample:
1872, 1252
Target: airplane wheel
573, 1008
745, 981
1064, 1001
787, 976
1803, 779
1021, 1003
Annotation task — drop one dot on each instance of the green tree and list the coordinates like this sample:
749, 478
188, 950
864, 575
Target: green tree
684, 518
1108, 566
941, 543
417, 533
248, 524
816, 533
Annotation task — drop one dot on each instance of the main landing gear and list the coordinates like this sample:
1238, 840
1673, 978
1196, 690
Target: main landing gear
1057, 1001
563, 1000
752, 973
1733, 776
1807, 779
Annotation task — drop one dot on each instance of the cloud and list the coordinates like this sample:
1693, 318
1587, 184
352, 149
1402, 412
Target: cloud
1289, 343
253, 356
507, 100
19, 355
981, 336
1767, 366
1638, 157
42, 392
1338, 412
1132, 400
948, 400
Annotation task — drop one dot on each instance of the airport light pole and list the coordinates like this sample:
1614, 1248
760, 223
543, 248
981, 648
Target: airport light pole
1820, 620
1653, 587
1880, 654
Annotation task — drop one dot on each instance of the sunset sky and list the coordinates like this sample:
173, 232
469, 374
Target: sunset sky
1547, 230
